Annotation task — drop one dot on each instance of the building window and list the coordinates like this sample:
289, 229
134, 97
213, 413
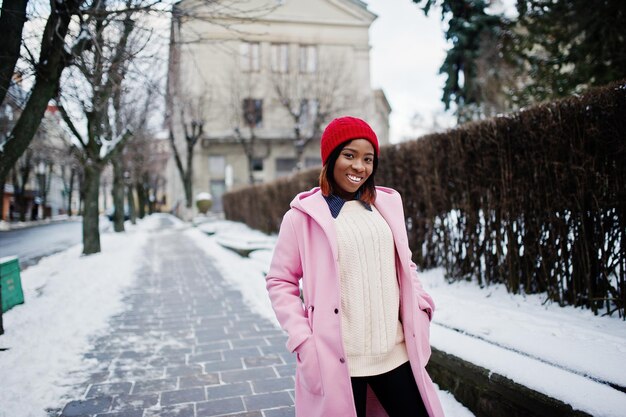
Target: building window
280, 57
310, 162
285, 166
217, 166
252, 112
257, 164
249, 53
308, 58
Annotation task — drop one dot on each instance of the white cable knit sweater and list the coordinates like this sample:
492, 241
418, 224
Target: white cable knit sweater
370, 297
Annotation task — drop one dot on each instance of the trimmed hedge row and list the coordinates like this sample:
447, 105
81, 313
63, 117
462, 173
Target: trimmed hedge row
534, 199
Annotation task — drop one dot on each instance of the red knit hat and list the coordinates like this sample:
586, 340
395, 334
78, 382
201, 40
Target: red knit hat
344, 129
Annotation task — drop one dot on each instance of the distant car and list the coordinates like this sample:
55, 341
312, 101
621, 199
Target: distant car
110, 211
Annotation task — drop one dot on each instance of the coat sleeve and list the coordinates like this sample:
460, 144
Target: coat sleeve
282, 282
426, 302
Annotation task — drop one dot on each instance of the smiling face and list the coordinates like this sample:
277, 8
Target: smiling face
353, 167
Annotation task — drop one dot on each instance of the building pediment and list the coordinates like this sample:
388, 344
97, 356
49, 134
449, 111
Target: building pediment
344, 12
321, 12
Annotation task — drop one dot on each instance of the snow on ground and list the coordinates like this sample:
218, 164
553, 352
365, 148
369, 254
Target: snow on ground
565, 336
570, 348
519, 336
69, 299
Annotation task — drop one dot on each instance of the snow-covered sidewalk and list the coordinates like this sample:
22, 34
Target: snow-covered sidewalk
69, 299
566, 353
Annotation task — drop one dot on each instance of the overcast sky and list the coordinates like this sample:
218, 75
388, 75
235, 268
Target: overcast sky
407, 50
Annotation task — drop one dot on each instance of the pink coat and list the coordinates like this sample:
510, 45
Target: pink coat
307, 250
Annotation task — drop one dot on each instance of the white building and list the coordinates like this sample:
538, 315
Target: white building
257, 75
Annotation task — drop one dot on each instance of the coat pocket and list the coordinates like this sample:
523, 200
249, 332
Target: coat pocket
422, 333
308, 367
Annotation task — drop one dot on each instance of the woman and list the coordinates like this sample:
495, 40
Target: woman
364, 326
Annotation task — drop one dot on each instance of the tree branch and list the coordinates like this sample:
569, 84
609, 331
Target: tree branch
70, 124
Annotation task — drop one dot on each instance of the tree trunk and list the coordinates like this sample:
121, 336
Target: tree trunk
12, 21
141, 197
46, 190
81, 193
132, 211
52, 61
2, 201
19, 196
189, 173
118, 194
70, 191
91, 230
188, 191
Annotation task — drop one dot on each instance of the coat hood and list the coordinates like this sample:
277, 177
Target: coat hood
311, 199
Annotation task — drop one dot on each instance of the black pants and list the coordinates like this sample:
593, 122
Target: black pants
396, 390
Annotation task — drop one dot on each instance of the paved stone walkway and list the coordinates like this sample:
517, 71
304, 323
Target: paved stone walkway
187, 346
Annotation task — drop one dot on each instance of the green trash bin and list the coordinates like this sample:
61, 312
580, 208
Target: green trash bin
11, 283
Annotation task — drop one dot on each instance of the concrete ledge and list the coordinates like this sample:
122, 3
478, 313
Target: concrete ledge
243, 247
488, 394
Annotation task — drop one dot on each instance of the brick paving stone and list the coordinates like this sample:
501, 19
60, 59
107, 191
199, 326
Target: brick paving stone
134, 402
270, 400
185, 370
257, 341
280, 412
247, 374
285, 370
241, 352
138, 373
127, 413
273, 349
206, 357
183, 396
273, 385
228, 390
86, 407
212, 347
99, 390
155, 385
179, 410
231, 364
255, 361
219, 407
187, 345
199, 380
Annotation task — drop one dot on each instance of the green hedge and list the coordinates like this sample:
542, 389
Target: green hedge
534, 199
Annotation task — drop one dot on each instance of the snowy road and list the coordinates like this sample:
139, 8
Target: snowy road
33, 243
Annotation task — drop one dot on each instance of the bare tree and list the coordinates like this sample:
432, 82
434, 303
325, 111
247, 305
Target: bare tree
312, 97
131, 110
12, 19
103, 68
246, 109
71, 171
145, 161
54, 55
61, 41
191, 119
